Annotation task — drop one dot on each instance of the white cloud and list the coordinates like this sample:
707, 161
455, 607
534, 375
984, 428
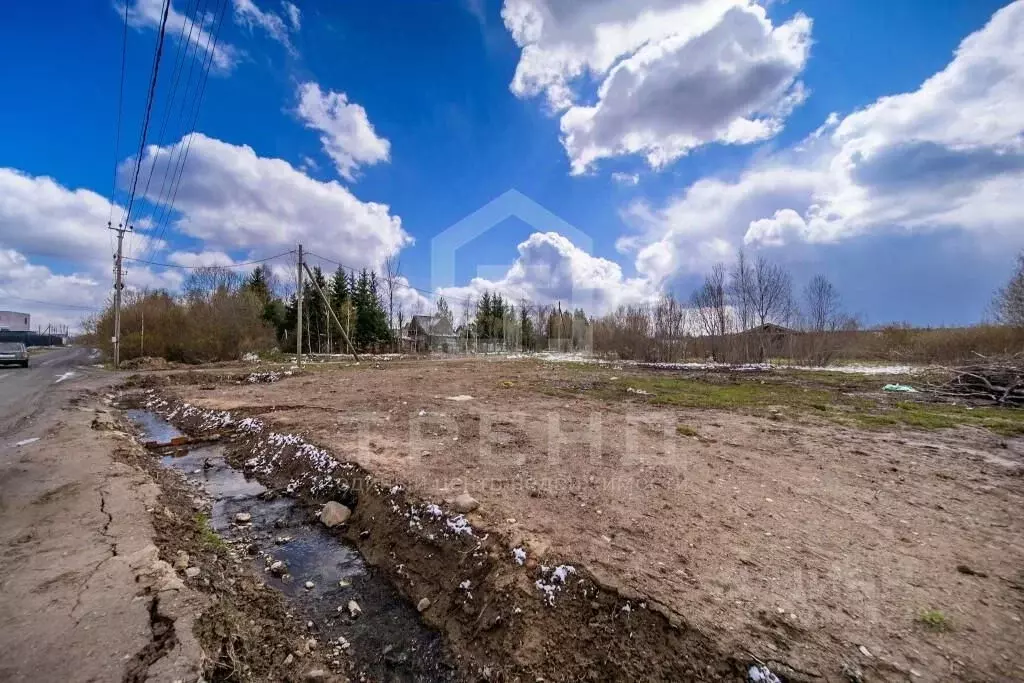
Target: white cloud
202, 259
149, 14
626, 178
551, 269
294, 15
50, 298
345, 130
948, 155
673, 75
249, 15
235, 200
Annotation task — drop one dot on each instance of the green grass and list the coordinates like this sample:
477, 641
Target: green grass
853, 400
934, 620
208, 536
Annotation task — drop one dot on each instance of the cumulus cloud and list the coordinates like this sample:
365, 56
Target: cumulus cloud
946, 156
346, 133
277, 27
551, 269
149, 13
200, 259
233, 200
626, 178
672, 75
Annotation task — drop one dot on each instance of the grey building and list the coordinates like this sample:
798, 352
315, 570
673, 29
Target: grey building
15, 322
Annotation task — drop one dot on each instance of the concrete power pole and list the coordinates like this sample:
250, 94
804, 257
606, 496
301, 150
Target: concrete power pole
118, 286
298, 317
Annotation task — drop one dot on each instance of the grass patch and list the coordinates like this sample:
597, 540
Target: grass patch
686, 430
207, 535
850, 400
934, 620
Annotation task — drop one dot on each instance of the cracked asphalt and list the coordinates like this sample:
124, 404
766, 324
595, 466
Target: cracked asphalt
83, 593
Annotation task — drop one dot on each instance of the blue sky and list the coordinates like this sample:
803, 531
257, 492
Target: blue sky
671, 132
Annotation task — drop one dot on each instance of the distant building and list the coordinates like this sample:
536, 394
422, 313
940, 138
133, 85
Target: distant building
430, 333
15, 322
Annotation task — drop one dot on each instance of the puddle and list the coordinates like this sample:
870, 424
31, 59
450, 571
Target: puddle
388, 640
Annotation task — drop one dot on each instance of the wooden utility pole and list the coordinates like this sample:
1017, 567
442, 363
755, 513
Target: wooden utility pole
334, 317
298, 317
118, 286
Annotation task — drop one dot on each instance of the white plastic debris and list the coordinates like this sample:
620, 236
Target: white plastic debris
758, 673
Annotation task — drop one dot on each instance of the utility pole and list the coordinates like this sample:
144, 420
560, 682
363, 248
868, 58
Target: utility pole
334, 317
298, 317
118, 286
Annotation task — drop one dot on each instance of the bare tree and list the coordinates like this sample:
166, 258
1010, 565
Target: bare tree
669, 326
771, 294
1008, 305
821, 301
392, 274
711, 305
741, 290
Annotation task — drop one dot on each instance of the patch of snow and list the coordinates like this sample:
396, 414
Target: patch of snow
460, 398
519, 555
25, 442
66, 375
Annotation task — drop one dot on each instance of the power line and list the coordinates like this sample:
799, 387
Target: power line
404, 285
183, 46
50, 303
168, 207
149, 110
120, 107
231, 265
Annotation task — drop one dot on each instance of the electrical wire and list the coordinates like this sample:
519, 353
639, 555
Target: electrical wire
231, 265
164, 220
149, 111
117, 134
50, 303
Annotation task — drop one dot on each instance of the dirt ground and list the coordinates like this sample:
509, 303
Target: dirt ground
841, 552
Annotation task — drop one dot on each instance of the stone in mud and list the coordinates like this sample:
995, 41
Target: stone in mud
243, 517
423, 605
310, 585
192, 572
316, 675
334, 513
278, 568
465, 503
181, 560
354, 609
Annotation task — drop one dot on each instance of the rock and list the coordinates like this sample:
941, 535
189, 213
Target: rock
423, 605
192, 572
181, 560
278, 568
465, 503
310, 585
354, 610
243, 517
334, 513
315, 675
289, 659
864, 651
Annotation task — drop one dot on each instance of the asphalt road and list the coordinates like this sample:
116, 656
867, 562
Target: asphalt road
24, 391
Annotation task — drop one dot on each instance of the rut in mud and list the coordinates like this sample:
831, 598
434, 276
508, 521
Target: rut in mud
322, 575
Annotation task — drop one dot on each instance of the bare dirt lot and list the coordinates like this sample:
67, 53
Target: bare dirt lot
804, 520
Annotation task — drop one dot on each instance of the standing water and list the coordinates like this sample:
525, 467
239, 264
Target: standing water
389, 641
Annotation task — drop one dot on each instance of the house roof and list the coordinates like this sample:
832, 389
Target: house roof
431, 324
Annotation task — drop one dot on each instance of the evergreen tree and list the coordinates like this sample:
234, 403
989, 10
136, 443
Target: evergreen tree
525, 328
483, 317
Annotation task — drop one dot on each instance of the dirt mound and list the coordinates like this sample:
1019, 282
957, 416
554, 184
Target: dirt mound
146, 363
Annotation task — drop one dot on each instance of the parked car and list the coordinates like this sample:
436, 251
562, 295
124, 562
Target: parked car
13, 353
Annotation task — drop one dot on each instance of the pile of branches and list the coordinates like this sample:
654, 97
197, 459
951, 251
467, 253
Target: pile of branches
988, 380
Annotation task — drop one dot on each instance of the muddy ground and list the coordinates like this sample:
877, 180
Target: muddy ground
808, 523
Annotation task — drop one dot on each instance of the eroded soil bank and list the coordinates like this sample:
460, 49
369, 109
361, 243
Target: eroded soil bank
362, 626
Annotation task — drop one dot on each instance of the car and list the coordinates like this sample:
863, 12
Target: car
13, 353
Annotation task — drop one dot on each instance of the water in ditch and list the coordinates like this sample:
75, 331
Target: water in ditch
389, 642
